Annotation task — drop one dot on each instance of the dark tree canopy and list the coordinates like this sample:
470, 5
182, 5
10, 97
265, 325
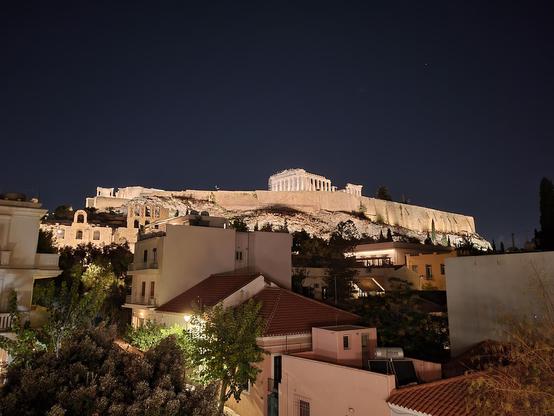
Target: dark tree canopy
546, 235
93, 375
383, 193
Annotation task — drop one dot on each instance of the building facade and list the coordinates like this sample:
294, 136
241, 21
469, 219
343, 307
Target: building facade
20, 264
484, 291
430, 268
299, 180
172, 258
82, 231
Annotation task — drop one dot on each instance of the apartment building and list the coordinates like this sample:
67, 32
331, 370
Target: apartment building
172, 256
430, 268
20, 264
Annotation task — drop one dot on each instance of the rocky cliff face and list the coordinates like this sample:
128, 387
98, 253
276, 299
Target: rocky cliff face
318, 222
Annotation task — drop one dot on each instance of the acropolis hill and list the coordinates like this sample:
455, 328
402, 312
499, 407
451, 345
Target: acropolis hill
305, 201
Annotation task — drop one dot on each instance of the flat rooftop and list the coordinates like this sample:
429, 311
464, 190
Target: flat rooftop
338, 328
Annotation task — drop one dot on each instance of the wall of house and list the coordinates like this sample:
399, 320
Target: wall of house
418, 263
329, 344
332, 389
191, 254
254, 403
482, 291
270, 254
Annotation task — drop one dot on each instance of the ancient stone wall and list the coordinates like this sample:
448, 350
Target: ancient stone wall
403, 215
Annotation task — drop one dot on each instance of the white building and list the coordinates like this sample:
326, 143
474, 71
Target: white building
483, 291
175, 257
20, 264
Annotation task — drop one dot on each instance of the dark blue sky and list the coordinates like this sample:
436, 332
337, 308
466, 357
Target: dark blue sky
448, 103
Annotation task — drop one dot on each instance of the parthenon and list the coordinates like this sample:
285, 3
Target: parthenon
299, 180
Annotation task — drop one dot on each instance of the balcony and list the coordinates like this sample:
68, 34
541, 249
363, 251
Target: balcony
141, 300
47, 261
5, 321
152, 265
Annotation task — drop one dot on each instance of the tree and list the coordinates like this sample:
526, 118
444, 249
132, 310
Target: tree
493, 246
239, 225
522, 381
63, 212
402, 321
93, 375
389, 235
226, 349
256, 226
502, 250
383, 193
45, 243
69, 307
267, 227
345, 233
546, 205
150, 335
428, 240
340, 279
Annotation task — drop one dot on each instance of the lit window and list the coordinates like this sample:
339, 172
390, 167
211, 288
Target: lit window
96, 235
304, 408
443, 269
346, 342
61, 234
79, 235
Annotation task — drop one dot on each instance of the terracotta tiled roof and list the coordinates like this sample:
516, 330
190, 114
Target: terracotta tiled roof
287, 313
208, 292
440, 398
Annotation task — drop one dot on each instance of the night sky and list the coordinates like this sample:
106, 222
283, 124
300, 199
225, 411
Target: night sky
450, 104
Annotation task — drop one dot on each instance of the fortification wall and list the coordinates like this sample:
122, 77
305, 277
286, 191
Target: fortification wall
408, 216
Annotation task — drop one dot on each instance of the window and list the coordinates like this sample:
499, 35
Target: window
155, 254
143, 289
61, 234
136, 224
80, 218
152, 284
304, 408
238, 255
277, 368
146, 222
96, 235
79, 235
346, 342
428, 271
443, 269
147, 209
414, 268
145, 256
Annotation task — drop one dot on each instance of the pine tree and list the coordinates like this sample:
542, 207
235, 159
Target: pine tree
389, 235
546, 241
383, 193
502, 247
493, 246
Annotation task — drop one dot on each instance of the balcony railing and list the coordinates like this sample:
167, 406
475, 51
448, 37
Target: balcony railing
5, 321
143, 265
141, 300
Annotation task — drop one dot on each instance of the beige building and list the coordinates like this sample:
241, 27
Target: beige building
20, 264
174, 257
430, 268
82, 231
482, 291
392, 253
